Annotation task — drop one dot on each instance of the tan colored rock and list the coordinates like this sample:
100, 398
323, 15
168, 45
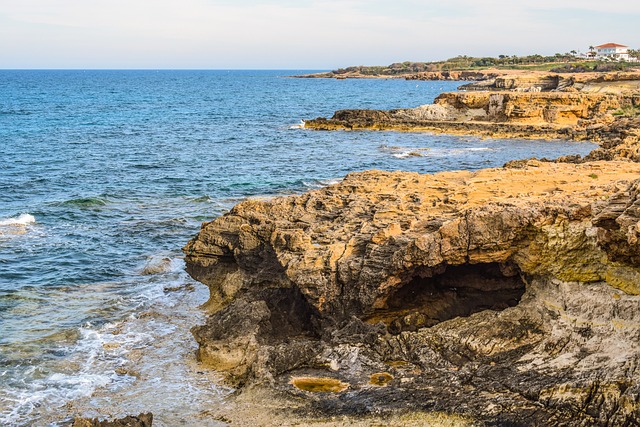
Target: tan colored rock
515, 287
616, 83
573, 115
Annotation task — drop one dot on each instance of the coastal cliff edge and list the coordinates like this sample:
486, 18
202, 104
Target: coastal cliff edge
506, 296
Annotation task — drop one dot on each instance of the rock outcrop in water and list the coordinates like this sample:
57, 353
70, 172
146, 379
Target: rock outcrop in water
142, 420
504, 297
507, 79
568, 115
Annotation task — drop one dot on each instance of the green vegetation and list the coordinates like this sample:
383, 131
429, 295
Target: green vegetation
592, 175
560, 62
628, 111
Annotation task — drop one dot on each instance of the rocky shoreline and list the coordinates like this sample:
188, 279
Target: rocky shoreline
505, 296
540, 106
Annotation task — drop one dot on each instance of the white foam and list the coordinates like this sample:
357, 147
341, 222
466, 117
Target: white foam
321, 183
19, 221
403, 155
332, 181
158, 264
406, 154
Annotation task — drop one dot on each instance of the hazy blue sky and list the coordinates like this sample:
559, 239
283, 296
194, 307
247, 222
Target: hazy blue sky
299, 34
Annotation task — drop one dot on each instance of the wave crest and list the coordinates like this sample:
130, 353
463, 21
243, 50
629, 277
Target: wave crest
85, 202
20, 221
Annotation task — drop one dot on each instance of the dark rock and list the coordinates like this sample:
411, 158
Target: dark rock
142, 420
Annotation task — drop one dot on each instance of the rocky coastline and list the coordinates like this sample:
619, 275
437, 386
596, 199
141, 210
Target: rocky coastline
453, 75
502, 297
526, 106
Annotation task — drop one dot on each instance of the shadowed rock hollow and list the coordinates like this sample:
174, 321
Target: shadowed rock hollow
456, 291
504, 296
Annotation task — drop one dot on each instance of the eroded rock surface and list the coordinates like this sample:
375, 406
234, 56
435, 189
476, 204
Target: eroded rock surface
592, 82
504, 296
568, 115
142, 420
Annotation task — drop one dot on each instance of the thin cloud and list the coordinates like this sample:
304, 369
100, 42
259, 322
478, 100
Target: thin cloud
304, 33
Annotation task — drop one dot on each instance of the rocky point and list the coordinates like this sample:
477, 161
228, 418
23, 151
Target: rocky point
506, 296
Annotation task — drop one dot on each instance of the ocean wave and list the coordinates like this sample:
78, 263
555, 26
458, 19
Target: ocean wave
52, 390
19, 112
96, 356
85, 202
331, 181
101, 354
320, 183
202, 199
20, 221
406, 154
145, 166
298, 126
158, 264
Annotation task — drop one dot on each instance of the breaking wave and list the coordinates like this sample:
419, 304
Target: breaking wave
298, 125
19, 221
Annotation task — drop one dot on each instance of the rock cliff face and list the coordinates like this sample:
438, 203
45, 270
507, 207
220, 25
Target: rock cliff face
496, 114
615, 83
455, 75
512, 80
506, 296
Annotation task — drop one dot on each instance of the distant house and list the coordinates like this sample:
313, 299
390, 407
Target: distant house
612, 51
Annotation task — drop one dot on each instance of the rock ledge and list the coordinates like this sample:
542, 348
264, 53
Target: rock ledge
504, 297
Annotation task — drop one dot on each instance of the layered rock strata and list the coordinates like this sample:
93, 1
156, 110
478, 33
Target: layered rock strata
504, 296
576, 116
513, 80
612, 82
452, 75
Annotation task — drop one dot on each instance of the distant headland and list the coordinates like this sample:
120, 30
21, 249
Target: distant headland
602, 58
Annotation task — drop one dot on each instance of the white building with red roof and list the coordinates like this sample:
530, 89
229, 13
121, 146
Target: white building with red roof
612, 51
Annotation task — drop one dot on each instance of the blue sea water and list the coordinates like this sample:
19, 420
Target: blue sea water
105, 175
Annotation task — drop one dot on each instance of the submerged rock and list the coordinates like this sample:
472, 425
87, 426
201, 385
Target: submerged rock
505, 296
142, 420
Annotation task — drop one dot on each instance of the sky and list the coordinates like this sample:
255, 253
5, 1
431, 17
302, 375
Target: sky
299, 34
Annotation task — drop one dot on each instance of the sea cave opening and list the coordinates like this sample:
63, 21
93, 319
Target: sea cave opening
290, 315
435, 295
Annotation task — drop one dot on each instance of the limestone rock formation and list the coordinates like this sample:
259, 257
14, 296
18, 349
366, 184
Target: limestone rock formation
389, 73
583, 106
619, 140
600, 107
572, 115
592, 82
505, 296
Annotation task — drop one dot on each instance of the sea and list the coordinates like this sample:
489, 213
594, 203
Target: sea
106, 174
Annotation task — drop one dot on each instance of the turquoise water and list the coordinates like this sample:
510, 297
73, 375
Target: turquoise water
105, 175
